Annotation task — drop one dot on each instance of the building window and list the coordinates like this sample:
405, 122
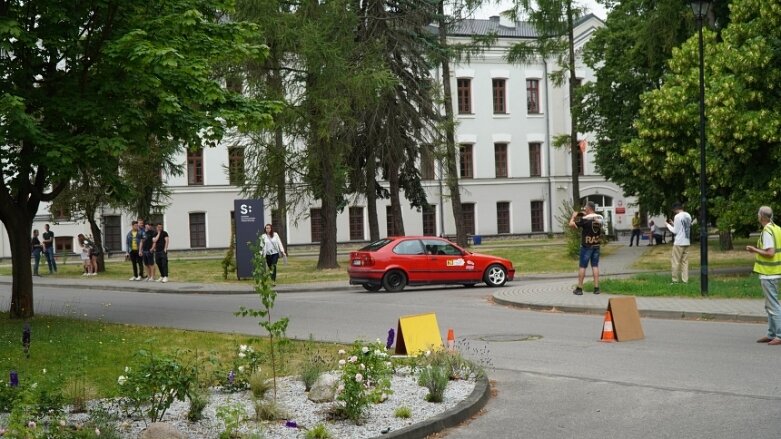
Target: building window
535, 159
464, 95
500, 159
427, 162
236, 166
63, 244
500, 101
356, 224
389, 221
502, 217
466, 161
195, 167
316, 224
538, 225
533, 96
197, 230
112, 233
468, 213
430, 220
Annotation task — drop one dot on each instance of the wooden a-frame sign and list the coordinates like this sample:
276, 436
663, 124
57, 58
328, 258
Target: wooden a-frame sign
626, 318
417, 333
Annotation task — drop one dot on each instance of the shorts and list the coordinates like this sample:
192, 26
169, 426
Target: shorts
589, 254
149, 258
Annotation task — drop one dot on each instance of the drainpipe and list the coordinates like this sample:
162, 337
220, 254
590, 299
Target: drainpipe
548, 148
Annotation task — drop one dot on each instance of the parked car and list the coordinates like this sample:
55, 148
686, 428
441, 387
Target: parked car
395, 262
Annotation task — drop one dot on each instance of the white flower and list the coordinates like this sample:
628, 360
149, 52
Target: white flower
428, 353
362, 366
342, 352
31, 424
365, 349
342, 362
121, 380
97, 431
242, 355
127, 369
241, 369
378, 341
340, 387
63, 423
388, 363
358, 377
44, 371
34, 386
352, 359
243, 348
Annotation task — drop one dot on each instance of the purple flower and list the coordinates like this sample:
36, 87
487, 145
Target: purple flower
291, 424
231, 377
391, 336
14, 379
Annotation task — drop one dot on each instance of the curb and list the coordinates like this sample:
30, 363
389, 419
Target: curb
449, 418
648, 313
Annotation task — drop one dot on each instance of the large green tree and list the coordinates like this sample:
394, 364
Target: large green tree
83, 83
743, 109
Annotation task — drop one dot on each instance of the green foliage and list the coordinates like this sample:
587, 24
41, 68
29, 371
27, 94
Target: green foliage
365, 379
232, 416
266, 410
245, 364
314, 364
454, 364
154, 383
319, 431
199, 399
229, 260
259, 385
571, 235
403, 412
77, 392
435, 379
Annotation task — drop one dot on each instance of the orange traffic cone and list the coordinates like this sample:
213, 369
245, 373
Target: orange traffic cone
607, 329
451, 339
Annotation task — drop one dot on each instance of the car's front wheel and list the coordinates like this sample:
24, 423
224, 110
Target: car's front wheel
394, 281
371, 287
495, 276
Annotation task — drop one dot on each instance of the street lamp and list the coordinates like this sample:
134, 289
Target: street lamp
700, 9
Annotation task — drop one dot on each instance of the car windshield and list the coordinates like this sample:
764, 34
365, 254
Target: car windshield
376, 245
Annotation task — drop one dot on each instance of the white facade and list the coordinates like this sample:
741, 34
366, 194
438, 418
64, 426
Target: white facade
480, 128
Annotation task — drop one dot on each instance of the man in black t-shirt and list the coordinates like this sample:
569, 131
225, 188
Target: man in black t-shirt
160, 241
48, 248
590, 224
147, 252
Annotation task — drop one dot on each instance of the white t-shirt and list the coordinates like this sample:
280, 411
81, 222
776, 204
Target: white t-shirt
681, 228
768, 242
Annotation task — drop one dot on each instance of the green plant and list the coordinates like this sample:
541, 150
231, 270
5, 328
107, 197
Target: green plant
199, 399
403, 412
313, 366
264, 288
229, 260
571, 234
78, 392
319, 431
435, 379
232, 415
266, 410
8, 396
259, 385
155, 383
246, 362
455, 364
365, 379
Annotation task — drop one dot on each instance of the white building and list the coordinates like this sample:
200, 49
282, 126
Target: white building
513, 181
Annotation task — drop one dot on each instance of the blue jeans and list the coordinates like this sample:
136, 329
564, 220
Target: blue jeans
49, 253
589, 254
37, 259
772, 307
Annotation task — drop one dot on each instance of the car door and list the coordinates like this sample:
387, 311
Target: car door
410, 255
449, 263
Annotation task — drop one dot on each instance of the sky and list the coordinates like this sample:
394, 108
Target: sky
494, 9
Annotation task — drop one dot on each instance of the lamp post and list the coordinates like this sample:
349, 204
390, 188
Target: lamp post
700, 9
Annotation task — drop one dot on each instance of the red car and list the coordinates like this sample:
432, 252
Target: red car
395, 262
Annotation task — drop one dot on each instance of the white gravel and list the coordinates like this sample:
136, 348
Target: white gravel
306, 414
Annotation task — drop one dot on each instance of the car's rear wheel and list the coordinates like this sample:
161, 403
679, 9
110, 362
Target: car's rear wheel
372, 287
394, 281
495, 276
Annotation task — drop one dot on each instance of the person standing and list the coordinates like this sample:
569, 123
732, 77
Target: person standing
147, 252
48, 248
133, 241
768, 265
681, 227
37, 248
161, 252
142, 230
590, 224
272, 248
86, 252
635, 229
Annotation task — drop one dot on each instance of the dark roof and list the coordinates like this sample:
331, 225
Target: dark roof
475, 26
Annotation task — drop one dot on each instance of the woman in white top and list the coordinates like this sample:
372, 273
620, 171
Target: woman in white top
272, 248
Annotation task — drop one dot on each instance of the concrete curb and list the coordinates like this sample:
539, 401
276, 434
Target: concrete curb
649, 313
450, 418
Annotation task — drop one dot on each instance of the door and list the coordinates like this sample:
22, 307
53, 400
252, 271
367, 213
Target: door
449, 263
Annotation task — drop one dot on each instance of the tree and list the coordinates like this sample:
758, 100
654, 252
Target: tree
82, 84
744, 119
554, 21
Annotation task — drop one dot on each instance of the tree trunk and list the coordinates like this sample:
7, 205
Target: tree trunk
97, 238
327, 258
450, 136
19, 232
371, 195
574, 144
725, 240
398, 220
280, 151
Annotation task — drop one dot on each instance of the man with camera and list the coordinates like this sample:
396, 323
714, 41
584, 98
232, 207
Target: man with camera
590, 224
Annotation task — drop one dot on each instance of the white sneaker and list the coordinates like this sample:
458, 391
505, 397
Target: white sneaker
85, 274
159, 279
133, 278
94, 274
165, 279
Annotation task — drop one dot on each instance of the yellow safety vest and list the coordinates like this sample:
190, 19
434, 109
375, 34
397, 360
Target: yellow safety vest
769, 265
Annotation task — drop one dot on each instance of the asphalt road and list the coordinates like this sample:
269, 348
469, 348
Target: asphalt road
553, 378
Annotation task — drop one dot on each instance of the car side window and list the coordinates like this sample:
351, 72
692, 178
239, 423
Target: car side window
442, 248
411, 247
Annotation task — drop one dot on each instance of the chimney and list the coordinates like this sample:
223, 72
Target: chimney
494, 18
506, 22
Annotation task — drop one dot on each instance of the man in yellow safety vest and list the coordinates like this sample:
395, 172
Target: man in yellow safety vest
768, 266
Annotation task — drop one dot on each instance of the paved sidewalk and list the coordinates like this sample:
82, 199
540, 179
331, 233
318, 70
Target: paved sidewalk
555, 294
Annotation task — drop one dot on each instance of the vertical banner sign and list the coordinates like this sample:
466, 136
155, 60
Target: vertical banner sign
248, 215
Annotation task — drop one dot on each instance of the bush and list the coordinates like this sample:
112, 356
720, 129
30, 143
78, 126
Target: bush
268, 411
198, 401
318, 432
435, 379
232, 416
259, 385
366, 373
78, 392
403, 412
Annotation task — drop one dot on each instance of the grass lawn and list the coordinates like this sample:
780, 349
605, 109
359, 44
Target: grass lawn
98, 352
732, 286
541, 258
658, 257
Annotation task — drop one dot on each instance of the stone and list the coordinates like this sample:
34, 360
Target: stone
161, 430
324, 389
